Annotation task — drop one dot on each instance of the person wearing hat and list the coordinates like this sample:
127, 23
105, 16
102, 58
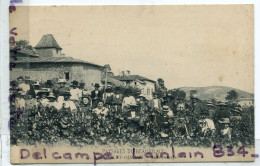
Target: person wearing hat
226, 131
207, 126
44, 101
128, 101
30, 101
155, 104
75, 93
179, 103
211, 109
236, 110
100, 110
60, 90
142, 103
163, 119
36, 87
96, 95
20, 80
108, 95
48, 85
117, 99
24, 84
83, 91
196, 106
19, 100
52, 102
85, 109
222, 112
171, 102
67, 104
180, 107
13, 86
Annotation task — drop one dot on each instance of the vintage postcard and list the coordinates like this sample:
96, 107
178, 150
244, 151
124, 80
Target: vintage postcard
122, 84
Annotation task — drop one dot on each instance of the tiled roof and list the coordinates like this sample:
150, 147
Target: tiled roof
133, 78
28, 52
48, 41
65, 59
114, 81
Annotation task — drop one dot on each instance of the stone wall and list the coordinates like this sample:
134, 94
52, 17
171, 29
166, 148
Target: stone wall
53, 71
48, 52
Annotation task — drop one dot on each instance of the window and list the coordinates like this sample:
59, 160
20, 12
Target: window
148, 91
128, 83
57, 51
67, 75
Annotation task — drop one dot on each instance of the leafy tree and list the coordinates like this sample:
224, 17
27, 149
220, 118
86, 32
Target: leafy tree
232, 96
160, 87
23, 44
160, 81
178, 94
192, 92
106, 69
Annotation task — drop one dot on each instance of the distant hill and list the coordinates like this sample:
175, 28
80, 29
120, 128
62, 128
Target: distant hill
217, 92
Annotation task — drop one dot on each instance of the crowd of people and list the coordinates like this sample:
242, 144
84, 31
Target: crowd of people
66, 111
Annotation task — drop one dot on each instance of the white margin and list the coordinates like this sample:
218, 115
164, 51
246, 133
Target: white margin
4, 61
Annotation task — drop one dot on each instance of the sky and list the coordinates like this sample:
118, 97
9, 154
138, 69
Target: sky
194, 46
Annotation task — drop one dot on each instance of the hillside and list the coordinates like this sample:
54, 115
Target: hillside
217, 92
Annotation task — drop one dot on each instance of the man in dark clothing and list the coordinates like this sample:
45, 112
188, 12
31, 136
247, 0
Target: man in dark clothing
221, 113
170, 102
60, 90
196, 106
96, 95
118, 99
212, 110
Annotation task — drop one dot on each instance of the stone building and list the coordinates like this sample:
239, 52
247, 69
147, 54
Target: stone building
146, 85
246, 102
46, 62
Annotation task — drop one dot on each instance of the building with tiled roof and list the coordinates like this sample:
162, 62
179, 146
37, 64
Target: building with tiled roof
47, 41
133, 78
146, 85
46, 62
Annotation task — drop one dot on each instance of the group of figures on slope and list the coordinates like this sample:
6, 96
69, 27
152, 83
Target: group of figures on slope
50, 113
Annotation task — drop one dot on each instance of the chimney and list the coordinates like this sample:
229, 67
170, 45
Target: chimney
123, 73
127, 72
110, 74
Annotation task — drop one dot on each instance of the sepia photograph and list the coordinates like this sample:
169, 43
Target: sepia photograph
128, 84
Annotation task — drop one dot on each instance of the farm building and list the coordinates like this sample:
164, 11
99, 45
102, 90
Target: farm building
146, 85
46, 62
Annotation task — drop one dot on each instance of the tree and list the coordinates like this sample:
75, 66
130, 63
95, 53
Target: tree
232, 96
105, 69
160, 87
178, 93
192, 92
160, 83
23, 44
